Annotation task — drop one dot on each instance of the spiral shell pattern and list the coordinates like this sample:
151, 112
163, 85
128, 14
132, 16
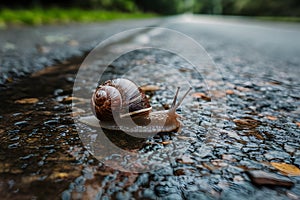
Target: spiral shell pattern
119, 98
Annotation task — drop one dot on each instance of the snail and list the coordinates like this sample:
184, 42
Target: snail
119, 104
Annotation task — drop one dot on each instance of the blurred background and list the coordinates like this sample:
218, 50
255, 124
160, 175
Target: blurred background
52, 11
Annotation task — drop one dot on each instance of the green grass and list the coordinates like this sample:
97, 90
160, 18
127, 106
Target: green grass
39, 16
279, 19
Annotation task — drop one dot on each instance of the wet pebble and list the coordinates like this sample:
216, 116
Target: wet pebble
123, 196
58, 92
289, 148
70, 79
51, 122
164, 190
172, 197
21, 123
280, 155
143, 179
259, 177
66, 195
27, 157
13, 146
148, 194
197, 195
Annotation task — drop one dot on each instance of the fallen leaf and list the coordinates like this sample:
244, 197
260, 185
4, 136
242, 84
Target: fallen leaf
298, 124
246, 123
47, 113
273, 118
166, 142
259, 177
27, 101
210, 167
58, 175
185, 159
179, 172
287, 168
200, 95
255, 133
242, 89
74, 99
229, 92
149, 88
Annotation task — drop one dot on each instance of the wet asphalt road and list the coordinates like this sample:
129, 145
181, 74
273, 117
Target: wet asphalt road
259, 66
28, 49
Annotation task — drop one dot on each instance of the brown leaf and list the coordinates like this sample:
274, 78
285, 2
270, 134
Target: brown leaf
229, 92
200, 95
179, 172
166, 142
149, 88
287, 168
246, 123
273, 118
242, 89
27, 101
185, 159
58, 175
259, 177
74, 99
298, 124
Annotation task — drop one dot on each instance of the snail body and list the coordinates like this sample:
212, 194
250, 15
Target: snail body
119, 104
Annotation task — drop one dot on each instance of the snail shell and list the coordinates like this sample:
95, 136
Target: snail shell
119, 98
116, 102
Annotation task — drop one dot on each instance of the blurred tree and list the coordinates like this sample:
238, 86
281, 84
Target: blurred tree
162, 6
208, 6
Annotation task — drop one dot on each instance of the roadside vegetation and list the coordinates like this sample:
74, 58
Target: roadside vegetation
39, 16
37, 12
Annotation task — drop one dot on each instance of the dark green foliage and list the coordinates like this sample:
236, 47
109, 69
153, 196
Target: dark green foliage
167, 7
249, 7
161, 6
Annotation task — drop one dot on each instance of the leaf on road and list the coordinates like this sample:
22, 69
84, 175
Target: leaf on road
273, 118
298, 124
200, 95
259, 177
149, 88
287, 168
229, 92
185, 159
247, 123
27, 101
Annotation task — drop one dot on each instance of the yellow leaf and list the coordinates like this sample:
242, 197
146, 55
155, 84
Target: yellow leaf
200, 95
271, 117
27, 101
287, 168
149, 88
